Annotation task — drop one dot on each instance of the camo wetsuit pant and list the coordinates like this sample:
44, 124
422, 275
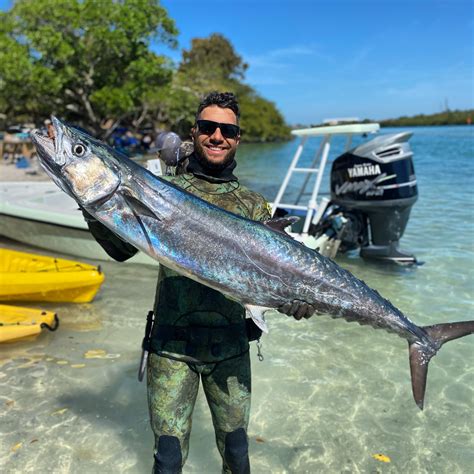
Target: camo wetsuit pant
172, 391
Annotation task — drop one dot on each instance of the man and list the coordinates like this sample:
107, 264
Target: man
199, 334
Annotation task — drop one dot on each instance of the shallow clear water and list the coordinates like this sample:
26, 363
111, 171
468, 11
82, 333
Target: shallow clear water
328, 396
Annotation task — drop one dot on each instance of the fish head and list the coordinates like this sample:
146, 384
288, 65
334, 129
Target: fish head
78, 163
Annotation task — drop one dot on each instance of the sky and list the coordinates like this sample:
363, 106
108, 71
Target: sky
318, 59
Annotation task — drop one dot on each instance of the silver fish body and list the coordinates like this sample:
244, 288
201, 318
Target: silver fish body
244, 259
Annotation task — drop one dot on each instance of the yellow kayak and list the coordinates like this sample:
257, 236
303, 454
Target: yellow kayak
19, 323
32, 277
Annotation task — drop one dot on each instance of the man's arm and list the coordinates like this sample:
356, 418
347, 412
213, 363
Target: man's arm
115, 247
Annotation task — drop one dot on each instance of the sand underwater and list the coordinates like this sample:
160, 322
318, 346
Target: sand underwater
328, 397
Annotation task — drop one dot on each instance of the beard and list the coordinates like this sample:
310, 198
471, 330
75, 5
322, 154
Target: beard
200, 154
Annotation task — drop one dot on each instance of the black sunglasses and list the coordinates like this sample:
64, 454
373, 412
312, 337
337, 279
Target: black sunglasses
208, 127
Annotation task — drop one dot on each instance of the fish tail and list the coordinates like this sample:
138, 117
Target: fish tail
421, 354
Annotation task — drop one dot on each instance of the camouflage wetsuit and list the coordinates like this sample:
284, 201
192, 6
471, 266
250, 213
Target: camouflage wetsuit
195, 322
198, 334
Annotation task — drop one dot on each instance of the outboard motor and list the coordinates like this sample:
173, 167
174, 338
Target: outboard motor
373, 188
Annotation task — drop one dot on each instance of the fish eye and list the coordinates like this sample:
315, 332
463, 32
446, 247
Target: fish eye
78, 149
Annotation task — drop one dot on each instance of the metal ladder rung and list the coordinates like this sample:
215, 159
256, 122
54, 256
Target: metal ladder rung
292, 206
306, 170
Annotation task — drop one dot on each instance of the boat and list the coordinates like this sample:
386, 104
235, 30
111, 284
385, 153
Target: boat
39, 214
19, 323
372, 190
32, 277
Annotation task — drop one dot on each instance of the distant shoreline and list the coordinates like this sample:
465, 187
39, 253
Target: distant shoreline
383, 125
448, 117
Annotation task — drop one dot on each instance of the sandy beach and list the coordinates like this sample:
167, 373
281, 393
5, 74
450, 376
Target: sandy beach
10, 172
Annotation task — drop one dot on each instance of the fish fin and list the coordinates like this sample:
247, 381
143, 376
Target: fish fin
257, 314
419, 371
420, 356
137, 206
139, 210
445, 332
279, 224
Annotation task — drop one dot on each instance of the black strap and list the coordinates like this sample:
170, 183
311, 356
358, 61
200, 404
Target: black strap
54, 326
254, 333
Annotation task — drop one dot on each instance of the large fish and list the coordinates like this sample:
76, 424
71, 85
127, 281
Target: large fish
249, 261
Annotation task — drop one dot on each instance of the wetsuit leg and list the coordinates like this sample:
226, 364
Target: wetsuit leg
227, 390
172, 389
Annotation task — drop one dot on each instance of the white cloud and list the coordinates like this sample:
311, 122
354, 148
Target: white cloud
291, 51
280, 66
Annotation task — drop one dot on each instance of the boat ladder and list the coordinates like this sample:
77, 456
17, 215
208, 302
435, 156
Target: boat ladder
312, 209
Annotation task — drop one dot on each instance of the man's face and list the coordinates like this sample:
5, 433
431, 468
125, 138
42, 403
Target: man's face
215, 150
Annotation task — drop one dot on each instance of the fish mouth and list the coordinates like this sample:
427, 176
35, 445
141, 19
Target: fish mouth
49, 152
45, 147
49, 147
44, 144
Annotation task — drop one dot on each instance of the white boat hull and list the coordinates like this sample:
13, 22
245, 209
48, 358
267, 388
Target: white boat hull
41, 215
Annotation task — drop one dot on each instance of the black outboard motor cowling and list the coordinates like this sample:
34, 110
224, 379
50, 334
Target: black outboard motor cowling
377, 179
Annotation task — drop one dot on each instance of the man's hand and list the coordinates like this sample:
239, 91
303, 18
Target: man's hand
298, 309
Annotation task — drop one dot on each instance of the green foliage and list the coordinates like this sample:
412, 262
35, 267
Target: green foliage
261, 120
85, 60
449, 117
212, 60
212, 64
90, 62
24, 84
173, 107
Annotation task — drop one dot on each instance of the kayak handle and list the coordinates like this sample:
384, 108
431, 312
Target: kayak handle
54, 326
